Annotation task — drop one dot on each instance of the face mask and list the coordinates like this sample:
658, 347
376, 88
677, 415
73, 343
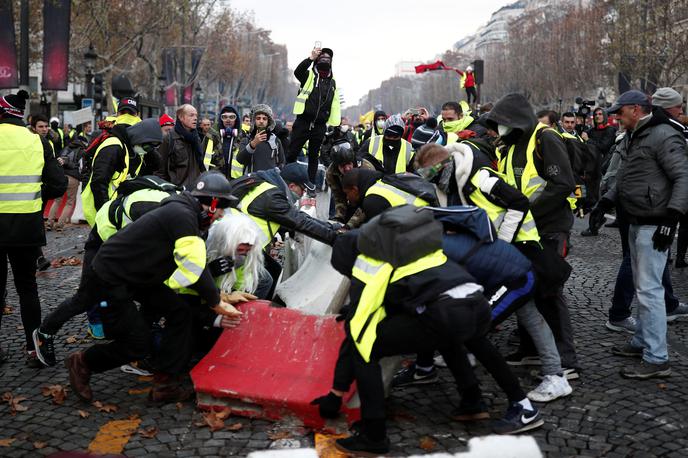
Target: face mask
380, 124
503, 131
239, 260
391, 144
344, 128
324, 65
451, 126
138, 149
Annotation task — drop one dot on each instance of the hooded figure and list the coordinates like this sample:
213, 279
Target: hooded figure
514, 120
378, 126
602, 135
389, 152
230, 135
261, 149
145, 137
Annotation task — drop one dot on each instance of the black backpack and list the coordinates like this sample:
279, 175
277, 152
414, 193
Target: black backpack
146, 182
414, 185
401, 235
580, 154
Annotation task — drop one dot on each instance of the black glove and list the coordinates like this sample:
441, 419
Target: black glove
597, 218
664, 236
343, 312
328, 405
221, 266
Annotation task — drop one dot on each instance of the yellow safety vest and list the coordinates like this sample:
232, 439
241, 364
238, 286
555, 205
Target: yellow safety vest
578, 192
527, 232
189, 255
117, 178
403, 159
370, 310
236, 168
21, 168
395, 196
107, 228
335, 118
208, 156
126, 118
264, 225
532, 184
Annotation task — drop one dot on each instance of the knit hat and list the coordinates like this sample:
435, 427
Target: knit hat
666, 97
14, 104
424, 135
166, 120
394, 126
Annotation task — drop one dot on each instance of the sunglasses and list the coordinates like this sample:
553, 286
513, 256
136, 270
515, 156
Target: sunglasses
229, 116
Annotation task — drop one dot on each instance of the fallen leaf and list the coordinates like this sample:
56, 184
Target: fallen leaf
427, 443
58, 393
62, 261
139, 390
84, 414
72, 339
235, 427
179, 406
149, 433
6, 442
662, 386
14, 403
20, 328
105, 407
277, 435
39, 445
145, 378
215, 420
7, 310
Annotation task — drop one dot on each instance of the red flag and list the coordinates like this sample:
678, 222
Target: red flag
439, 65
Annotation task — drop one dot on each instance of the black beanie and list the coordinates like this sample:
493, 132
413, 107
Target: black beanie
14, 104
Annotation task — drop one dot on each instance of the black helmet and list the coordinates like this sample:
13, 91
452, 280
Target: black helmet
213, 185
342, 154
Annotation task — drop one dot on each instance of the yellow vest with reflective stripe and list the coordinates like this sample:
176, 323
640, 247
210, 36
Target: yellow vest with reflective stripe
208, 156
578, 192
189, 255
395, 196
21, 168
532, 184
268, 228
404, 157
370, 310
107, 228
335, 118
236, 168
116, 179
527, 232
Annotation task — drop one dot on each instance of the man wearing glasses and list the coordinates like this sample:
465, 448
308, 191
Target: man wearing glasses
652, 193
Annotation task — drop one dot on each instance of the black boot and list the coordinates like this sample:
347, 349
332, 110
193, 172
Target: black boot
372, 440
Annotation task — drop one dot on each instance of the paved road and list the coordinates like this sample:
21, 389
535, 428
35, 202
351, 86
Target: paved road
605, 416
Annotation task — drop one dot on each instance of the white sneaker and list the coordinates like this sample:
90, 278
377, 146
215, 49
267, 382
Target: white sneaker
133, 368
551, 388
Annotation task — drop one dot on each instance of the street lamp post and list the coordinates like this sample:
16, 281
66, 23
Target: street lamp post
162, 84
90, 62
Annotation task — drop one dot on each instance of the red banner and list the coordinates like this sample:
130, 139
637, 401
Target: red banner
8, 50
439, 65
56, 19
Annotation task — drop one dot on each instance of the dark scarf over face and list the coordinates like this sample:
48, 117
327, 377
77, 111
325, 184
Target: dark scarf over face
193, 139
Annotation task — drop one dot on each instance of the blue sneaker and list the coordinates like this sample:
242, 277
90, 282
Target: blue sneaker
517, 420
96, 331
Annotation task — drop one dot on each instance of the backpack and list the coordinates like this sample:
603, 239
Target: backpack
413, 184
579, 153
400, 235
146, 182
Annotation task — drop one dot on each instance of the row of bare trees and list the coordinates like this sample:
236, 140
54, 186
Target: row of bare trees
241, 62
555, 54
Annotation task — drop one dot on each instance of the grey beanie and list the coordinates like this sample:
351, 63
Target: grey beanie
666, 97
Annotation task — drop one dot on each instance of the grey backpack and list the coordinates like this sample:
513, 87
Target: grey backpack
401, 235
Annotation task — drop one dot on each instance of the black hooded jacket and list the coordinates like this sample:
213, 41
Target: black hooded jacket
551, 209
109, 160
319, 102
602, 137
373, 128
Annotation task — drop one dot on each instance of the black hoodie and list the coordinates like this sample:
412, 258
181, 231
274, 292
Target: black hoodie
109, 160
373, 128
551, 209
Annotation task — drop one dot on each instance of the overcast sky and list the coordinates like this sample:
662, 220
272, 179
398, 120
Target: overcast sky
369, 37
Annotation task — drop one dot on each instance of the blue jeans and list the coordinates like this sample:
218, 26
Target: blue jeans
648, 265
624, 289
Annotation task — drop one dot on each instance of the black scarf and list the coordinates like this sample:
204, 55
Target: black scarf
193, 139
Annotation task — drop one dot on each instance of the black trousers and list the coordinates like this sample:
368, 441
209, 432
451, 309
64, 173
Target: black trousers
129, 330
23, 262
471, 92
77, 304
304, 131
682, 240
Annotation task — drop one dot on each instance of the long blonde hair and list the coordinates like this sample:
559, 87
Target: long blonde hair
225, 235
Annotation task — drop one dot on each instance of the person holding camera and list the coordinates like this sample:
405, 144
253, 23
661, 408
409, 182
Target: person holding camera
261, 149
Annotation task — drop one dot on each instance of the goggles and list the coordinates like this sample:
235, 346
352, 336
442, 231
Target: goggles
230, 116
431, 171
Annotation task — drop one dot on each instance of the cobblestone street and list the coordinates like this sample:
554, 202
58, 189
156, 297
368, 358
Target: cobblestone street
605, 416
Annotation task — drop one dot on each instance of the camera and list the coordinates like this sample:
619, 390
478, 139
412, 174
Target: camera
584, 106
